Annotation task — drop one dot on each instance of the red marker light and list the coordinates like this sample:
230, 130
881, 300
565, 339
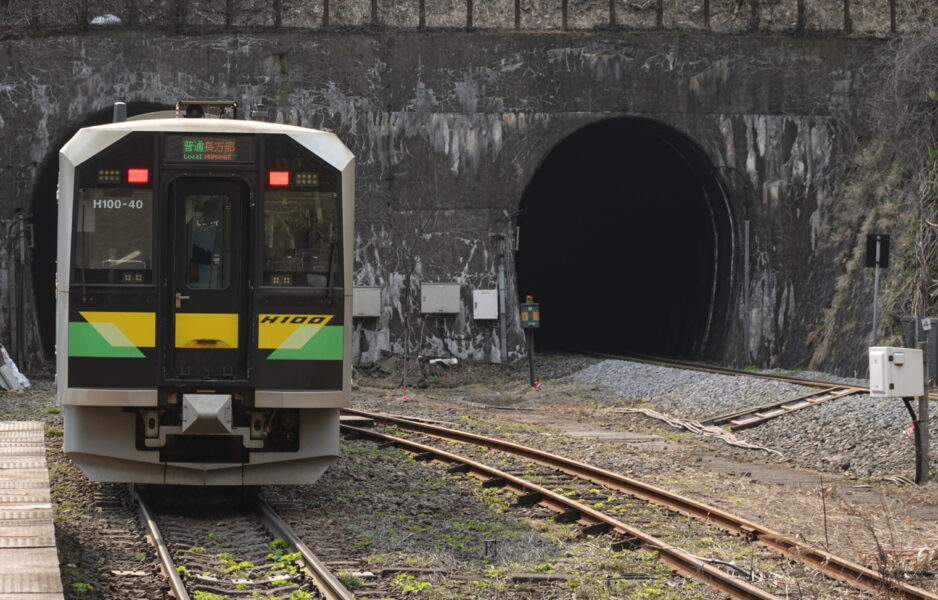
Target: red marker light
138, 175
279, 177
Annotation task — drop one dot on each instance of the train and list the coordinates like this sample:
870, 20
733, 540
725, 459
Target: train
203, 298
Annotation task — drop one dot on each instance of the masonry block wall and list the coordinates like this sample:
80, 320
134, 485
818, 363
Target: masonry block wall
449, 126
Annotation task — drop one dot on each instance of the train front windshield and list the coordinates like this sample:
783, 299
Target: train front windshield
300, 241
301, 220
113, 236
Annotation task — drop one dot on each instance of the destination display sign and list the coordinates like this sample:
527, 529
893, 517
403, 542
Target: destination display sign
209, 148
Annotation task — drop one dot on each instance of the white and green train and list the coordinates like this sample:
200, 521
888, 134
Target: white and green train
204, 298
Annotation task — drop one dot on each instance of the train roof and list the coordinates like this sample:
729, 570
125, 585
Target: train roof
88, 141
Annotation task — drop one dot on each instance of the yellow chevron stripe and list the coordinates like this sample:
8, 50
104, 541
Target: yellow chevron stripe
273, 331
138, 327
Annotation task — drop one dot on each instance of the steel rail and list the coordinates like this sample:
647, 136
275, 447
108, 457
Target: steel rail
750, 417
327, 583
168, 566
681, 561
693, 366
833, 566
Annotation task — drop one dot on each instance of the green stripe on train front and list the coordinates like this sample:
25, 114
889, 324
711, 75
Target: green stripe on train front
311, 343
99, 340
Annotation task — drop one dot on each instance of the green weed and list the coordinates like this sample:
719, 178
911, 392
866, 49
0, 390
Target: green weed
408, 584
81, 588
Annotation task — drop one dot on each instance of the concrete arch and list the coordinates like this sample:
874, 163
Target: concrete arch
628, 241
43, 209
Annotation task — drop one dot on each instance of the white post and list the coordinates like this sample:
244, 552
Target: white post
875, 288
502, 304
924, 449
502, 334
747, 324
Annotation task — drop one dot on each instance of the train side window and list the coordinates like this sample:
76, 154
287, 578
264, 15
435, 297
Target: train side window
113, 236
301, 238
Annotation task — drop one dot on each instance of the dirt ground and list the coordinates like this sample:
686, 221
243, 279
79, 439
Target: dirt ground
884, 525
889, 527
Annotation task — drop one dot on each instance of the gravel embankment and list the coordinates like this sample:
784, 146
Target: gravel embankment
866, 437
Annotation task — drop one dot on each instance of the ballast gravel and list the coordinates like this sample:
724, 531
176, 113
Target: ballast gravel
856, 435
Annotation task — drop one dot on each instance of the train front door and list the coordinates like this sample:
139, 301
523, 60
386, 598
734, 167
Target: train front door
208, 329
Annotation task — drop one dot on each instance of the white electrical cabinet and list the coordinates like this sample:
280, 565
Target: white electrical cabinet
484, 304
439, 298
896, 372
366, 301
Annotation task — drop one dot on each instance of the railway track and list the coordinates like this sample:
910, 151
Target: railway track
708, 368
233, 550
756, 415
128, 570
750, 417
848, 573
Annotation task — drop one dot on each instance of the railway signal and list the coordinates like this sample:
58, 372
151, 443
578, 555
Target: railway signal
877, 255
530, 320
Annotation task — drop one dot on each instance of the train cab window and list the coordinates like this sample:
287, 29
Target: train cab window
208, 241
114, 236
300, 238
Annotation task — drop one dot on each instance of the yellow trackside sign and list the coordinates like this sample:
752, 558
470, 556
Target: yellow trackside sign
288, 331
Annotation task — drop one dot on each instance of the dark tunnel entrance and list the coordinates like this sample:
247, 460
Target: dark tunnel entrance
44, 214
627, 242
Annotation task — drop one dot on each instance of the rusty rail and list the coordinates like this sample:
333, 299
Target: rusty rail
681, 561
716, 369
167, 565
750, 417
833, 566
328, 584
706, 368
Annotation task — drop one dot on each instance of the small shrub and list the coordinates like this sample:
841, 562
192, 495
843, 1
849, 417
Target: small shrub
350, 581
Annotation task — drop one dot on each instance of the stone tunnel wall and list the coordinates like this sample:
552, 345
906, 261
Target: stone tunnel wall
448, 128
862, 17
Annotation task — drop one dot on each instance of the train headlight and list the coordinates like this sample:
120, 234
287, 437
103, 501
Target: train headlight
151, 423
258, 425
195, 111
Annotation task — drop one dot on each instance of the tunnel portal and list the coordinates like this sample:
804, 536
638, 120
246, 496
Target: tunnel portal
626, 239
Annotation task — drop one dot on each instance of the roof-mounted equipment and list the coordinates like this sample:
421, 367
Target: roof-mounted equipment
197, 109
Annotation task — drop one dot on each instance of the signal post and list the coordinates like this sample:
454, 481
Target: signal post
530, 320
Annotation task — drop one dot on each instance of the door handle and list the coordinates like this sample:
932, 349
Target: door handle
179, 299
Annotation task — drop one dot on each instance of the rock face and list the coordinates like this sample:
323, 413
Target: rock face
450, 127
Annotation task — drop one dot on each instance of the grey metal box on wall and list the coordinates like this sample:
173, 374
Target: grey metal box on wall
366, 301
484, 304
442, 298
